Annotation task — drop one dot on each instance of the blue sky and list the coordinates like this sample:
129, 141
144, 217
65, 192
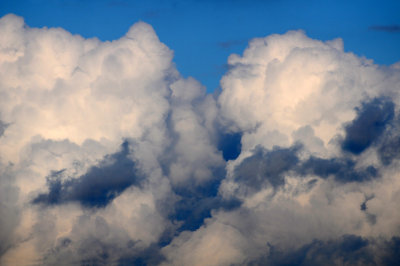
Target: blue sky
203, 33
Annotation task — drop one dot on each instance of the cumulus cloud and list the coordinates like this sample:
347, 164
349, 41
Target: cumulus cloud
108, 156
315, 125
67, 105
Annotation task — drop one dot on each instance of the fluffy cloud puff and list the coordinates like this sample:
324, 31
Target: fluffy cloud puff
315, 125
109, 156
292, 82
92, 131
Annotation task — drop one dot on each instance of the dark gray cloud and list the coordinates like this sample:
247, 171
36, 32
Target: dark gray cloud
147, 257
386, 28
342, 169
98, 186
376, 124
371, 218
368, 126
389, 150
267, 166
346, 250
94, 251
3, 127
9, 212
93, 241
391, 254
195, 205
389, 146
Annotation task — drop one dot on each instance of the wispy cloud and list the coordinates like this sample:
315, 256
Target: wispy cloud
386, 28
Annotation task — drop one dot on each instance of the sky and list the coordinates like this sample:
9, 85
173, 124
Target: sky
199, 133
203, 33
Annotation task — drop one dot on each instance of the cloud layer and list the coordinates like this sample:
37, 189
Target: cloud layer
108, 156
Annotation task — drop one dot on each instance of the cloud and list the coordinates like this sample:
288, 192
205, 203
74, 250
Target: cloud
386, 28
291, 82
100, 185
266, 167
295, 161
347, 250
76, 101
370, 123
289, 89
3, 127
9, 211
389, 150
343, 170
389, 143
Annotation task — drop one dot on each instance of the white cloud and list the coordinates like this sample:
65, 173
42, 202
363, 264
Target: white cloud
286, 89
285, 82
67, 103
